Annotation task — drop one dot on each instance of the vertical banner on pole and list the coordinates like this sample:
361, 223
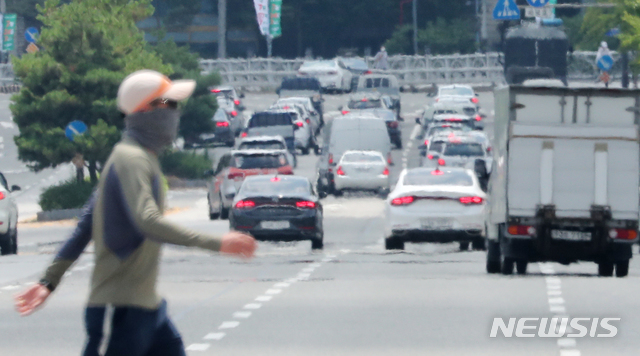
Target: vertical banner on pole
9, 23
262, 14
275, 14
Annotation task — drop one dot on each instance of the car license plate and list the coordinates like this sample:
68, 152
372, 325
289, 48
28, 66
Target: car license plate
570, 235
275, 225
436, 224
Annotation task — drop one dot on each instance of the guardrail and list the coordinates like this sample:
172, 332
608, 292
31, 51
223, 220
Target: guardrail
476, 68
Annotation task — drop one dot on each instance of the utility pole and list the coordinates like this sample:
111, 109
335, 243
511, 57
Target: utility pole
483, 27
3, 6
415, 27
222, 28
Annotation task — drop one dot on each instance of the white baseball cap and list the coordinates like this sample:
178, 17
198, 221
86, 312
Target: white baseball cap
144, 86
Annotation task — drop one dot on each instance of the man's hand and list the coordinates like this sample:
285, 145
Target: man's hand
237, 243
29, 300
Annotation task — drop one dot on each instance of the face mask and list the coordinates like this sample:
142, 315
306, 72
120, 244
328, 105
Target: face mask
155, 130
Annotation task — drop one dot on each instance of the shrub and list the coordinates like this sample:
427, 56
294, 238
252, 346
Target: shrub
186, 165
67, 195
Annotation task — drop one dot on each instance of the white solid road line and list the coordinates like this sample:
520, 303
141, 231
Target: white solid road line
415, 132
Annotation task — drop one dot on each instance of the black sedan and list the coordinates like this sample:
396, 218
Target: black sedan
278, 208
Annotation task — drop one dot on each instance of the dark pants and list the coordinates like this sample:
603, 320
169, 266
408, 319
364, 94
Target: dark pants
130, 331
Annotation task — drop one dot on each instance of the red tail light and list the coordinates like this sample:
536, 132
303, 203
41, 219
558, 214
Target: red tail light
437, 172
234, 113
245, 204
392, 124
302, 73
474, 100
368, 72
330, 158
389, 158
478, 118
244, 134
345, 112
441, 162
386, 171
237, 102
308, 121
522, 230
471, 200
489, 149
2, 195
286, 170
234, 175
453, 119
402, 201
306, 204
222, 124
215, 91
340, 172
623, 234
364, 99
299, 123
426, 142
430, 156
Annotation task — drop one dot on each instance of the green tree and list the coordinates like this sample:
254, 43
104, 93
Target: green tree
440, 37
88, 47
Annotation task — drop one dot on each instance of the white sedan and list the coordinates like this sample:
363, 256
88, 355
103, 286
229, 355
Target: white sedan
8, 218
332, 74
435, 205
364, 170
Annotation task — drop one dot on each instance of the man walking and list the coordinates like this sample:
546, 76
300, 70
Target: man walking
381, 60
124, 218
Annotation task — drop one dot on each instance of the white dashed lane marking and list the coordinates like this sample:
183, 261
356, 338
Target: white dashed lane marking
304, 274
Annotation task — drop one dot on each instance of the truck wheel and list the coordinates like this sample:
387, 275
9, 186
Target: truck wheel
605, 269
464, 246
224, 213
393, 243
6, 243
622, 268
521, 266
304, 150
493, 257
507, 265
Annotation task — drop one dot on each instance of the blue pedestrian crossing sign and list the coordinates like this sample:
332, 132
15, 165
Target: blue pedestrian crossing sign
75, 128
31, 35
506, 10
538, 3
605, 63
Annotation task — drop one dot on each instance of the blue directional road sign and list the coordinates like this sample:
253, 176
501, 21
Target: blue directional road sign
75, 128
538, 3
506, 10
605, 63
31, 35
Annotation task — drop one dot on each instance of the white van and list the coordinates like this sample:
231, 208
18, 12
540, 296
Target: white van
350, 132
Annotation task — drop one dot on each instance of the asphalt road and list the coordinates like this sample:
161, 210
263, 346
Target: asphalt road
354, 298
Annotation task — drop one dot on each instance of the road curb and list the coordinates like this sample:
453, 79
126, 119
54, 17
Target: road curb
57, 215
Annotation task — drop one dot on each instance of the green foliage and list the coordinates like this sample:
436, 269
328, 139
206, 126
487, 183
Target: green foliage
67, 195
441, 37
186, 165
88, 47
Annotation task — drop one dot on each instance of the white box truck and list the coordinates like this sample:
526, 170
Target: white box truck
565, 180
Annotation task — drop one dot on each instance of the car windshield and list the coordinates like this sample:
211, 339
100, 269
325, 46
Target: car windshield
275, 186
359, 157
436, 146
356, 64
271, 119
377, 83
262, 145
365, 104
463, 149
440, 129
456, 91
259, 161
469, 111
444, 177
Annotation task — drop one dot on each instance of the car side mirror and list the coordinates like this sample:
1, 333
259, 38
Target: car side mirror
477, 94
340, 107
431, 95
241, 95
296, 127
209, 173
15, 188
418, 120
